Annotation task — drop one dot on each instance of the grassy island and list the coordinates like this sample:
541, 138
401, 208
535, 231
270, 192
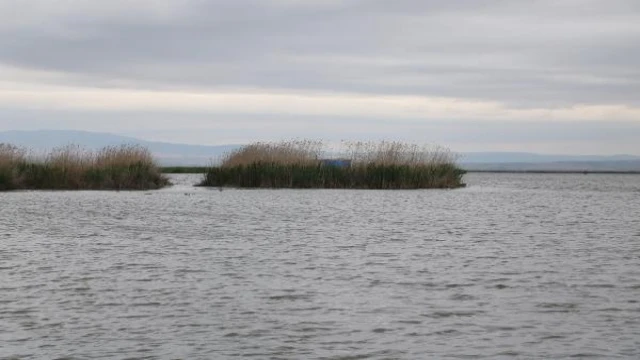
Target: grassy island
125, 167
360, 165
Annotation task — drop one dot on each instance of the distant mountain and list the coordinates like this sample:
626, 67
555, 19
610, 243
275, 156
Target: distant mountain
522, 157
166, 153
588, 166
183, 154
516, 161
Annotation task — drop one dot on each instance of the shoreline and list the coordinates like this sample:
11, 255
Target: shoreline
585, 172
203, 169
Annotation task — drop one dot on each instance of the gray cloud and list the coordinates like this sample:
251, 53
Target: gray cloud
527, 53
542, 55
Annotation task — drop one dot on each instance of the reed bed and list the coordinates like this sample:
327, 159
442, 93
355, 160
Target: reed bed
296, 152
184, 169
359, 165
124, 167
10, 159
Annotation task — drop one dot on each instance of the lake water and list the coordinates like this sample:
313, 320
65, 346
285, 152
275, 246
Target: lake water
514, 265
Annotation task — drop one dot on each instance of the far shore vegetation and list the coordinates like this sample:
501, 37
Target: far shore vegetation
358, 165
125, 167
184, 169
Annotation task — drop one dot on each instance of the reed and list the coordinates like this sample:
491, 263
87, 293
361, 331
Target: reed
369, 165
10, 158
125, 167
184, 169
298, 152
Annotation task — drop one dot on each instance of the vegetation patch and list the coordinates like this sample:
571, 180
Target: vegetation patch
125, 167
184, 169
359, 165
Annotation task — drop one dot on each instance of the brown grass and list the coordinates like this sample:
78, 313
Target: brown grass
369, 165
296, 152
72, 167
388, 153
11, 154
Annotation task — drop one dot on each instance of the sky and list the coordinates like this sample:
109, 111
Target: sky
546, 76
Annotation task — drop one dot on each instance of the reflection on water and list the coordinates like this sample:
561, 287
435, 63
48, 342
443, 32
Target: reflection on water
534, 265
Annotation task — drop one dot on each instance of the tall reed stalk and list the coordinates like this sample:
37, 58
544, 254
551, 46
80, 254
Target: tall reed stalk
125, 167
369, 165
10, 158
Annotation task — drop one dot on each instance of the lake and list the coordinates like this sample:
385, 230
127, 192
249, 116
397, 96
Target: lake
513, 266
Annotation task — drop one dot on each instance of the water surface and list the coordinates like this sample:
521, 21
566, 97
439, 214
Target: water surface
514, 265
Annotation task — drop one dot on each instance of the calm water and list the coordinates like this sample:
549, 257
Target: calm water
523, 266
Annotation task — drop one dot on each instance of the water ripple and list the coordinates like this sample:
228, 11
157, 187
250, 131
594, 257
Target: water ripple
513, 266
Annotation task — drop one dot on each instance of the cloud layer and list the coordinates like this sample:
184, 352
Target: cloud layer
348, 63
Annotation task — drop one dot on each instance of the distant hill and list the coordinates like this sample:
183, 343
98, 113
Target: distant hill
166, 153
522, 157
515, 161
171, 154
579, 166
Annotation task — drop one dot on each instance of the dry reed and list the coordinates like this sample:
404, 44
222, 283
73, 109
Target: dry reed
10, 157
125, 167
371, 165
297, 152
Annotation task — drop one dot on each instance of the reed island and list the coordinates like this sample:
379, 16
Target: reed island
355, 165
125, 167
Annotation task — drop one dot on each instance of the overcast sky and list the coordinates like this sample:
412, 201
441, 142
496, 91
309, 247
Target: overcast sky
548, 76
